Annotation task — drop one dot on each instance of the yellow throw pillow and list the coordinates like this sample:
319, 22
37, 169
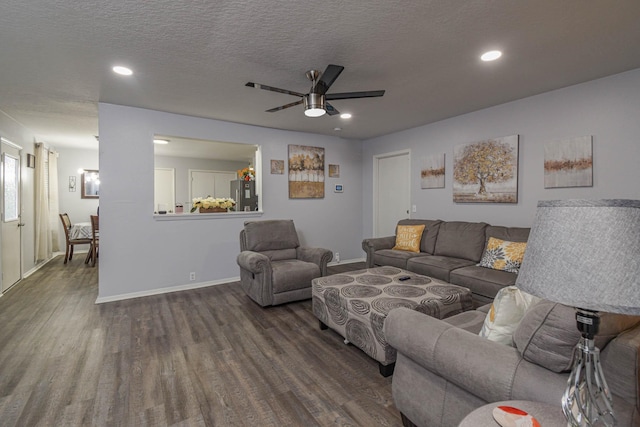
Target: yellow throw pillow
408, 237
503, 255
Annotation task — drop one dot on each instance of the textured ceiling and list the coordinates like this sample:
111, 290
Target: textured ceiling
195, 57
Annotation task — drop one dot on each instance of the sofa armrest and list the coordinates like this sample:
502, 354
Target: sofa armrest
621, 365
375, 244
255, 276
318, 256
482, 367
253, 262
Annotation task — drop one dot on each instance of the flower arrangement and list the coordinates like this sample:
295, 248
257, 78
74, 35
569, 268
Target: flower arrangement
210, 202
246, 174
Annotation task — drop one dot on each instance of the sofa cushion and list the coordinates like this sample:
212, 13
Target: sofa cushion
463, 240
503, 255
393, 257
505, 314
408, 237
434, 266
548, 334
482, 281
513, 234
471, 320
293, 274
281, 254
429, 235
270, 235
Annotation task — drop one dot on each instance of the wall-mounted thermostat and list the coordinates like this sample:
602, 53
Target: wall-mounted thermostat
338, 188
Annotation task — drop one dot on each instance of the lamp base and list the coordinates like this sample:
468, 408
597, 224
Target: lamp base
587, 400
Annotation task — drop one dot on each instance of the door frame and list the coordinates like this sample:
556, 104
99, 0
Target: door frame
376, 200
20, 255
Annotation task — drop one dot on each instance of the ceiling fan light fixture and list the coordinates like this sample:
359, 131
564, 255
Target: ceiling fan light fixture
491, 55
314, 105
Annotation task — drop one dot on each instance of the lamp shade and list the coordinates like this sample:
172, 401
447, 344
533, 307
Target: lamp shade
585, 254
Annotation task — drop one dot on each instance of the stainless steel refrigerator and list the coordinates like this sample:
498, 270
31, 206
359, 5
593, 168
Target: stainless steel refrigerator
244, 193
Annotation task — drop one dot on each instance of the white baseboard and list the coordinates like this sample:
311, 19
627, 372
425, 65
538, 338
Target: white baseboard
347, 261
101, 300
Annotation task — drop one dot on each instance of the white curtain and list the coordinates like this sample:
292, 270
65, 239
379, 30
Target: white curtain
43, 250
54, 218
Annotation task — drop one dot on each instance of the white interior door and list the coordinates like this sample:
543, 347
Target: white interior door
392, 190
164, 189
11, 225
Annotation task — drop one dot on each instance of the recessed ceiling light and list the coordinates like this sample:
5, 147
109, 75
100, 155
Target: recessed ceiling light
345, 115
492, 55
122, 70
160, 141
337, 129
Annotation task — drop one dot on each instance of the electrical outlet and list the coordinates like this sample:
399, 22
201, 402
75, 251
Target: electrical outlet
192, 276
337, 256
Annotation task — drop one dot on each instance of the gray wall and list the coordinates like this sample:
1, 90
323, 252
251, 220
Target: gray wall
141, 254
608, 109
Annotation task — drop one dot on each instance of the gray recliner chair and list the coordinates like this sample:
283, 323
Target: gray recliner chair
274, 268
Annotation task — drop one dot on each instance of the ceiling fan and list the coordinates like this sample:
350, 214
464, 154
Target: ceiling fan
316, 101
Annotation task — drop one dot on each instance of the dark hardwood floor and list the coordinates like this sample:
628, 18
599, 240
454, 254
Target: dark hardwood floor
205, 357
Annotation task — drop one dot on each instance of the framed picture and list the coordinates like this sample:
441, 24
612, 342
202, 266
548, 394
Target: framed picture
486, 171
306, 172
334, 171
277, 167
432, 172
569, 163
31, 161
90, 184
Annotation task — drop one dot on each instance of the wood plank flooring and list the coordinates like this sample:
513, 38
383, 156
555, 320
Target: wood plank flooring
205, 357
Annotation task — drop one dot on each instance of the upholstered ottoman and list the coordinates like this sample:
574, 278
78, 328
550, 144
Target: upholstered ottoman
355, 304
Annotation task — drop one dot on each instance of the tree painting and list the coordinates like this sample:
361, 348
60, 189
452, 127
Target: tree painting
306, 172
486, 171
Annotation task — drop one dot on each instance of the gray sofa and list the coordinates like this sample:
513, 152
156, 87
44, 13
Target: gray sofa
444, 369
449, 251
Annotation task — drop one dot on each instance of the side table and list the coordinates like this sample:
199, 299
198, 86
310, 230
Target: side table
546, 414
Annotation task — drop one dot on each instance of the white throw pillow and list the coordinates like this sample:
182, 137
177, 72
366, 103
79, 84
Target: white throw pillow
507, 310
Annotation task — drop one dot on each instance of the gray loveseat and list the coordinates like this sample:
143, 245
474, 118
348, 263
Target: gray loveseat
444, 369
449, 251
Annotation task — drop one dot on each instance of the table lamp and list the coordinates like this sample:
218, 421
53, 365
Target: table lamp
585, 254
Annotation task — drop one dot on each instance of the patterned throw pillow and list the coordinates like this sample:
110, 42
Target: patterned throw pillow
408, 237
503, 255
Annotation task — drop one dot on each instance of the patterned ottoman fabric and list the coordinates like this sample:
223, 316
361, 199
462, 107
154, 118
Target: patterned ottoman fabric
355, 304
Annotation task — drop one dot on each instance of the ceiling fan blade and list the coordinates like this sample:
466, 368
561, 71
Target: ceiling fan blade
351, 95
331, 110
274, 89
327, 78
273, 110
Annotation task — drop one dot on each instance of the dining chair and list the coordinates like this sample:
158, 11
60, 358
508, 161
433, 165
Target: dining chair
95, 243
66, 224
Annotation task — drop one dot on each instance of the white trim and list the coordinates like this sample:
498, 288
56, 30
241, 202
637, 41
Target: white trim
198, 216
11, 144
101, 300
349, 261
